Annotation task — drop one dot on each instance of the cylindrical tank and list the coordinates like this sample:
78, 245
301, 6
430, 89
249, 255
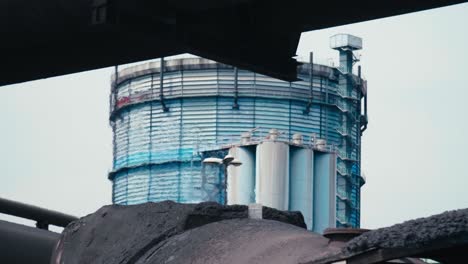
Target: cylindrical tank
167, 118
158, 151
301, 178
241, 179
272, 174
324, 191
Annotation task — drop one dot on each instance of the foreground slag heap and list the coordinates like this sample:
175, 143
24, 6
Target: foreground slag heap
169, 232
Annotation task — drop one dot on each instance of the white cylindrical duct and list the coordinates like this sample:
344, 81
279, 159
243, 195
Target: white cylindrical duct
302, 183
272, 175
241, 179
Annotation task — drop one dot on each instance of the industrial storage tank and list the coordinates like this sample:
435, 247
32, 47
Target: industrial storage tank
272, 174
325, 203
301, 193
241, 180
169, 116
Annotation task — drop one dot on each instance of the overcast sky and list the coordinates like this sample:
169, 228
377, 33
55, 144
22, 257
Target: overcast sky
56, 143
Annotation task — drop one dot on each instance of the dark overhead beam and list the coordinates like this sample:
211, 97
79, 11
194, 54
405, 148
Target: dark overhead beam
48, 38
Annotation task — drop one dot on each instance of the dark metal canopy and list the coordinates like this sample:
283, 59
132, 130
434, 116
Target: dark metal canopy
48, 38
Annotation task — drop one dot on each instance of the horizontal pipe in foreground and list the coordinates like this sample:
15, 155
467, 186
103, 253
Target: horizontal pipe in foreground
24, 244
41, 215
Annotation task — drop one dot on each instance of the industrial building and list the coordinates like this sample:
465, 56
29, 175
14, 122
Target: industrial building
192, 130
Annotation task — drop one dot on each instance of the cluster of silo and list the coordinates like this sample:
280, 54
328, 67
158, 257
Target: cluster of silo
171, 115
287, 175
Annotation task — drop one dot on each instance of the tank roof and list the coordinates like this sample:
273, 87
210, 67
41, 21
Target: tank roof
198, 63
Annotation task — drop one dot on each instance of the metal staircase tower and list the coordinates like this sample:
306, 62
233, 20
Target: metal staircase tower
349, 180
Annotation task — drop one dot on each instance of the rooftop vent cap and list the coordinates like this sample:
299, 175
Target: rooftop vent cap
245, 138
297, 139
273, 134
321, 144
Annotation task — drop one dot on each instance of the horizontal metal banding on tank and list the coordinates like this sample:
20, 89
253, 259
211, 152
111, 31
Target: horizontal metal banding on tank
163, 131
219, 82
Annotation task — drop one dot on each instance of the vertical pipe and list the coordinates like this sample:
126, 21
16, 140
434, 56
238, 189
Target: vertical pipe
290, 121
235, 105
225, 182
114, 88
113, 105
150, 145
311, 83
326, 110
128, 123
126, 187
364, 127
365, 104
181, 145
128, 141
311, 75
321, 107
161, 85
161, 79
